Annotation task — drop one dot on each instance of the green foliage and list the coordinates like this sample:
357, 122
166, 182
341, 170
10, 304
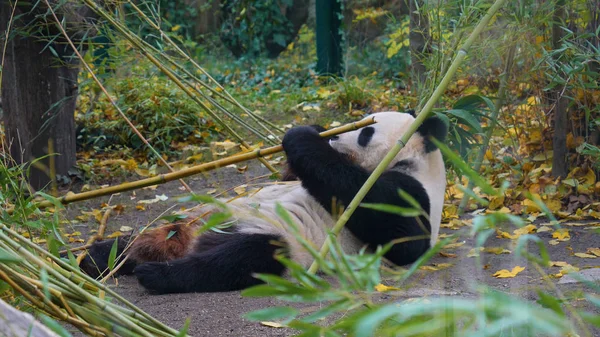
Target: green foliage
465, 121
250, 25
156, 106
353, 93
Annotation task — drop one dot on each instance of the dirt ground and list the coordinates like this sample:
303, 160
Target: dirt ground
220, 314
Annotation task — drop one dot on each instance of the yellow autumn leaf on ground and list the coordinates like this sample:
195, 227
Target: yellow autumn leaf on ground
530, 206
450, 212
454, 224
595, 251
496, 250
504, 235
561, 234
436, 266
585, 256
240, 189
496, 203
474, 253
383, 288
323, 93
442, 265
114, 235
504, 273
453, 245
272, 324
517, 232
525, 230
544, 229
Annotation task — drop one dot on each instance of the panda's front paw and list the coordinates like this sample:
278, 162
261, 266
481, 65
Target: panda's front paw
299, 137
154, 276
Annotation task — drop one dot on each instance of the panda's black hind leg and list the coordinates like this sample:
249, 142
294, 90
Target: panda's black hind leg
227, 266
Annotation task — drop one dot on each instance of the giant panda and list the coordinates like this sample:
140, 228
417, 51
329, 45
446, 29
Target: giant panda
170, 259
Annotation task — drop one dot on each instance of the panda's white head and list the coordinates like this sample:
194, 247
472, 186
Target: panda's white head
366, 147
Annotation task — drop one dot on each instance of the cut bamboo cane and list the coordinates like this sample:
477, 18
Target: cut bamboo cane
164, 178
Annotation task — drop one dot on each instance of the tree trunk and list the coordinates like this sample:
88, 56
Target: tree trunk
329, 38
207, 20
418, 37
38, 99
559, 139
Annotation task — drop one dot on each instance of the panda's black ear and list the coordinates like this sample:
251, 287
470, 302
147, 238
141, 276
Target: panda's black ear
433, 127
411, 112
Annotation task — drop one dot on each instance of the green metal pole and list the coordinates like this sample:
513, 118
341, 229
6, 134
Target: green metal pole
329, 37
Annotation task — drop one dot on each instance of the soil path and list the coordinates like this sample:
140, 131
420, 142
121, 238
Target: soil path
220, 314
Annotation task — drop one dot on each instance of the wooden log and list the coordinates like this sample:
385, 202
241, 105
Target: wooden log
15, 323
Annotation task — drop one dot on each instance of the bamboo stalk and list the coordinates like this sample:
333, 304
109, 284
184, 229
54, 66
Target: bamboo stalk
136, 41
74, 275
164, 178
226, 95
85, 295
51, 309
494, 118
424, 114
112, 102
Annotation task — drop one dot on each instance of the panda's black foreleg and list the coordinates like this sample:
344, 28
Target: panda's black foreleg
227, 266
95, 263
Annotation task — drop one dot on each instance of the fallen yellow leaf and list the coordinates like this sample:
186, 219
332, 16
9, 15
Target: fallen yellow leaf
561, 234
544, 229
585, 256
453, 245
504, 235
565, 270
114, 235
595, 251
496, 250
525, 230
240, 189
504, 273
272, 324
383, 288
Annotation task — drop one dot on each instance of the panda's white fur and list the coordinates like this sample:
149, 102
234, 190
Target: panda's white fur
210, 265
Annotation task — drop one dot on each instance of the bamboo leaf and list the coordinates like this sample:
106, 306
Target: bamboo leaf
112, 256
402, 211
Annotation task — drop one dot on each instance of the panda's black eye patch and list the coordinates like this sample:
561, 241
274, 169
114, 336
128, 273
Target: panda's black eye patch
365, 136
